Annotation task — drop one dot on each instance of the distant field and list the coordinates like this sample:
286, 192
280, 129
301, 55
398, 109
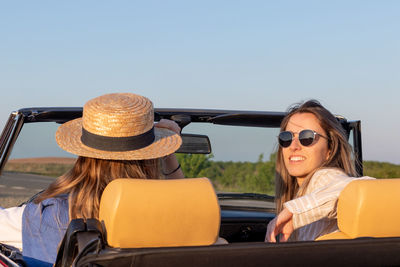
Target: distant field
55, 166
49, 166
44, 160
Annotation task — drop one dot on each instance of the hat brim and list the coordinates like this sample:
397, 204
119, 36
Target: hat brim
68, 137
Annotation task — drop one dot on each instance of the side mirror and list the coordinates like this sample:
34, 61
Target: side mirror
195, 144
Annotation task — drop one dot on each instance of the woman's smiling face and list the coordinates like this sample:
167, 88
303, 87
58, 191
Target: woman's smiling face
302, 160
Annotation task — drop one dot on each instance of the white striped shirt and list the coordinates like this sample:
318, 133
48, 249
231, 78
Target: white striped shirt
314, 214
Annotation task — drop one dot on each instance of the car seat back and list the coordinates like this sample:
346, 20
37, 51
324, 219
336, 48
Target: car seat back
368, 208
160, 213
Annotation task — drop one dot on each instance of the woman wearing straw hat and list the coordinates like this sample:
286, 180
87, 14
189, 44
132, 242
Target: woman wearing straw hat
116, 137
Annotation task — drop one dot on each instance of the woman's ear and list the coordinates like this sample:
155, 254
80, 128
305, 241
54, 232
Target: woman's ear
329, 152
330, 147
328, 155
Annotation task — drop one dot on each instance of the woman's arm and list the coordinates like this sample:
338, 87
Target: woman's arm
324, 187
321, 201
171, 167
169, 164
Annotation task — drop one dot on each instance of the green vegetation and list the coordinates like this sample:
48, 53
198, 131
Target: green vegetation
231, 176
227, 176
381, 169
257, 177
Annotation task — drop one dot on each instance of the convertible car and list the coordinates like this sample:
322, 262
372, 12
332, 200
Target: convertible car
227, 147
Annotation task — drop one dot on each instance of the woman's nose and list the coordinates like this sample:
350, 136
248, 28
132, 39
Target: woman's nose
295, 145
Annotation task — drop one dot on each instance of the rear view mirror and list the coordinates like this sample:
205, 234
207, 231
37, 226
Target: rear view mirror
195, 144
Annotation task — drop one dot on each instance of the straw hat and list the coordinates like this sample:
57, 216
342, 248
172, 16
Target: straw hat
117, 126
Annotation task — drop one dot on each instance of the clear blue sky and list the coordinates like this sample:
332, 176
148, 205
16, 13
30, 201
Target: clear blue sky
262, 55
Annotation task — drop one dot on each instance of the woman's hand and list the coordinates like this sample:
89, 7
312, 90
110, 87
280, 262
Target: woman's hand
281, 224
168, 124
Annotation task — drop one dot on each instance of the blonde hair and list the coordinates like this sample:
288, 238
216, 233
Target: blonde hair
286, 187
85, 182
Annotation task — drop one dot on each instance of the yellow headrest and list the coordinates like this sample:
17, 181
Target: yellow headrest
370, 208
160, 213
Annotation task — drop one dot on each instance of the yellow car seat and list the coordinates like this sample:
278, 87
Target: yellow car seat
368, 208
160, 213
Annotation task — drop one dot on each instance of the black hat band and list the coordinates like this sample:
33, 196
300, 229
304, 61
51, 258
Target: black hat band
108, 143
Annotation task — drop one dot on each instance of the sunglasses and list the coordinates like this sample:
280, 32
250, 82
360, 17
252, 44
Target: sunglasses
306, 137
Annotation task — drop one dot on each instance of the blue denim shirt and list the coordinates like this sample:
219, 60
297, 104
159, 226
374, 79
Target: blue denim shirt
43, 227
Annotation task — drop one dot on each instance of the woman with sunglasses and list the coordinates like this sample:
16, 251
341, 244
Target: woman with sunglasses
314, 164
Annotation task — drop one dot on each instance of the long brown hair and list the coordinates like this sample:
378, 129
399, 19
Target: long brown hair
286, 187
85, 182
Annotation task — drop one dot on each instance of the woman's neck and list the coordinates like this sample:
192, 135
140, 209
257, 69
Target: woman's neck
300, 180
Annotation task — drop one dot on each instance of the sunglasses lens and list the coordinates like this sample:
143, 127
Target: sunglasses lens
285, 138
306, 137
